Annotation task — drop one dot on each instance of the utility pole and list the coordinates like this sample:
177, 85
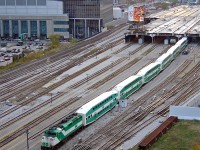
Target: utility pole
51, 97
87, 77
27, 132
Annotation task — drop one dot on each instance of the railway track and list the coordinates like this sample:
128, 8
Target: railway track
116, 123
73, 86
53, 86
119, 132
34, 122
41, 78
95, 75
36, 64
68, 57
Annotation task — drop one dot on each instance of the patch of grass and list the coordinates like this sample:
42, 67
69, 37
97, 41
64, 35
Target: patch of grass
185, 135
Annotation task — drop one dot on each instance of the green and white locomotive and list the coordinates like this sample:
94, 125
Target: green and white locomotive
61, 131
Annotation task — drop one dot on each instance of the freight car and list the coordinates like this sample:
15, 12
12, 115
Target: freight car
100, 105
157, 133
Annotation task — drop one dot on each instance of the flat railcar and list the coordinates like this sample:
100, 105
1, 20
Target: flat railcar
128, 86
98, 107
149, 72
157, 133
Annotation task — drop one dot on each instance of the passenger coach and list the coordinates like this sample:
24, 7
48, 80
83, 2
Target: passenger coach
128, 86
149, 72
164, 60
98, 107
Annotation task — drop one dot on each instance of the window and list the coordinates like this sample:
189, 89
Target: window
10, 2
61, 22
33, 28
60, 29
2, 3
43, 27
21, 2
15, 27
41, 2
6, 27
31, 2
24, 26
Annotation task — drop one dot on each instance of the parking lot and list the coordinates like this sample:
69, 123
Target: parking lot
15, 48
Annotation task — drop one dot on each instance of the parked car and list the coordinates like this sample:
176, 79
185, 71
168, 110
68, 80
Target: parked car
37, 40
39, 47
185, 52
6, 57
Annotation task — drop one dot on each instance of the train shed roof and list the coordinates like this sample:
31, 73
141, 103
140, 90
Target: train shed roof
179, 20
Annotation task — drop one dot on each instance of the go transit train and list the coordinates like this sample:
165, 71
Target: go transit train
100, 105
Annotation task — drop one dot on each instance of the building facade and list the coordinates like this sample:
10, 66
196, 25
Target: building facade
38, 18
87, 17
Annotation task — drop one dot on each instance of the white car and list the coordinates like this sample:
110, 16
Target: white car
37, 40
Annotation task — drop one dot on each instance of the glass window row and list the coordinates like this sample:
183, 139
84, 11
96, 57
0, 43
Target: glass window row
61, 22
103, 102
23, 2
24, 27
60, 29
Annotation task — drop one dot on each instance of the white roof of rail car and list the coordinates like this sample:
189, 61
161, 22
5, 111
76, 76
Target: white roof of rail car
125, 82
162, 57
147, 68
171, 50
85, 108
181, 40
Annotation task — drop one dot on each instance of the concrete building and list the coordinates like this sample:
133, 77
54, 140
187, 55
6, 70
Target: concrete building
87, 18
38, 18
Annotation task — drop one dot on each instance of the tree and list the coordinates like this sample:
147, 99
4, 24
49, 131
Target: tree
174, 2
54, 40
164, 6
73, 40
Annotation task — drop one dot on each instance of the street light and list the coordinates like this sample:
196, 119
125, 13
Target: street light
111, 65
27, 132
51, 98
111, 46
87, 77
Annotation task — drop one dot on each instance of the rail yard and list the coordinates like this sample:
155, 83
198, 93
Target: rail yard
38, 95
